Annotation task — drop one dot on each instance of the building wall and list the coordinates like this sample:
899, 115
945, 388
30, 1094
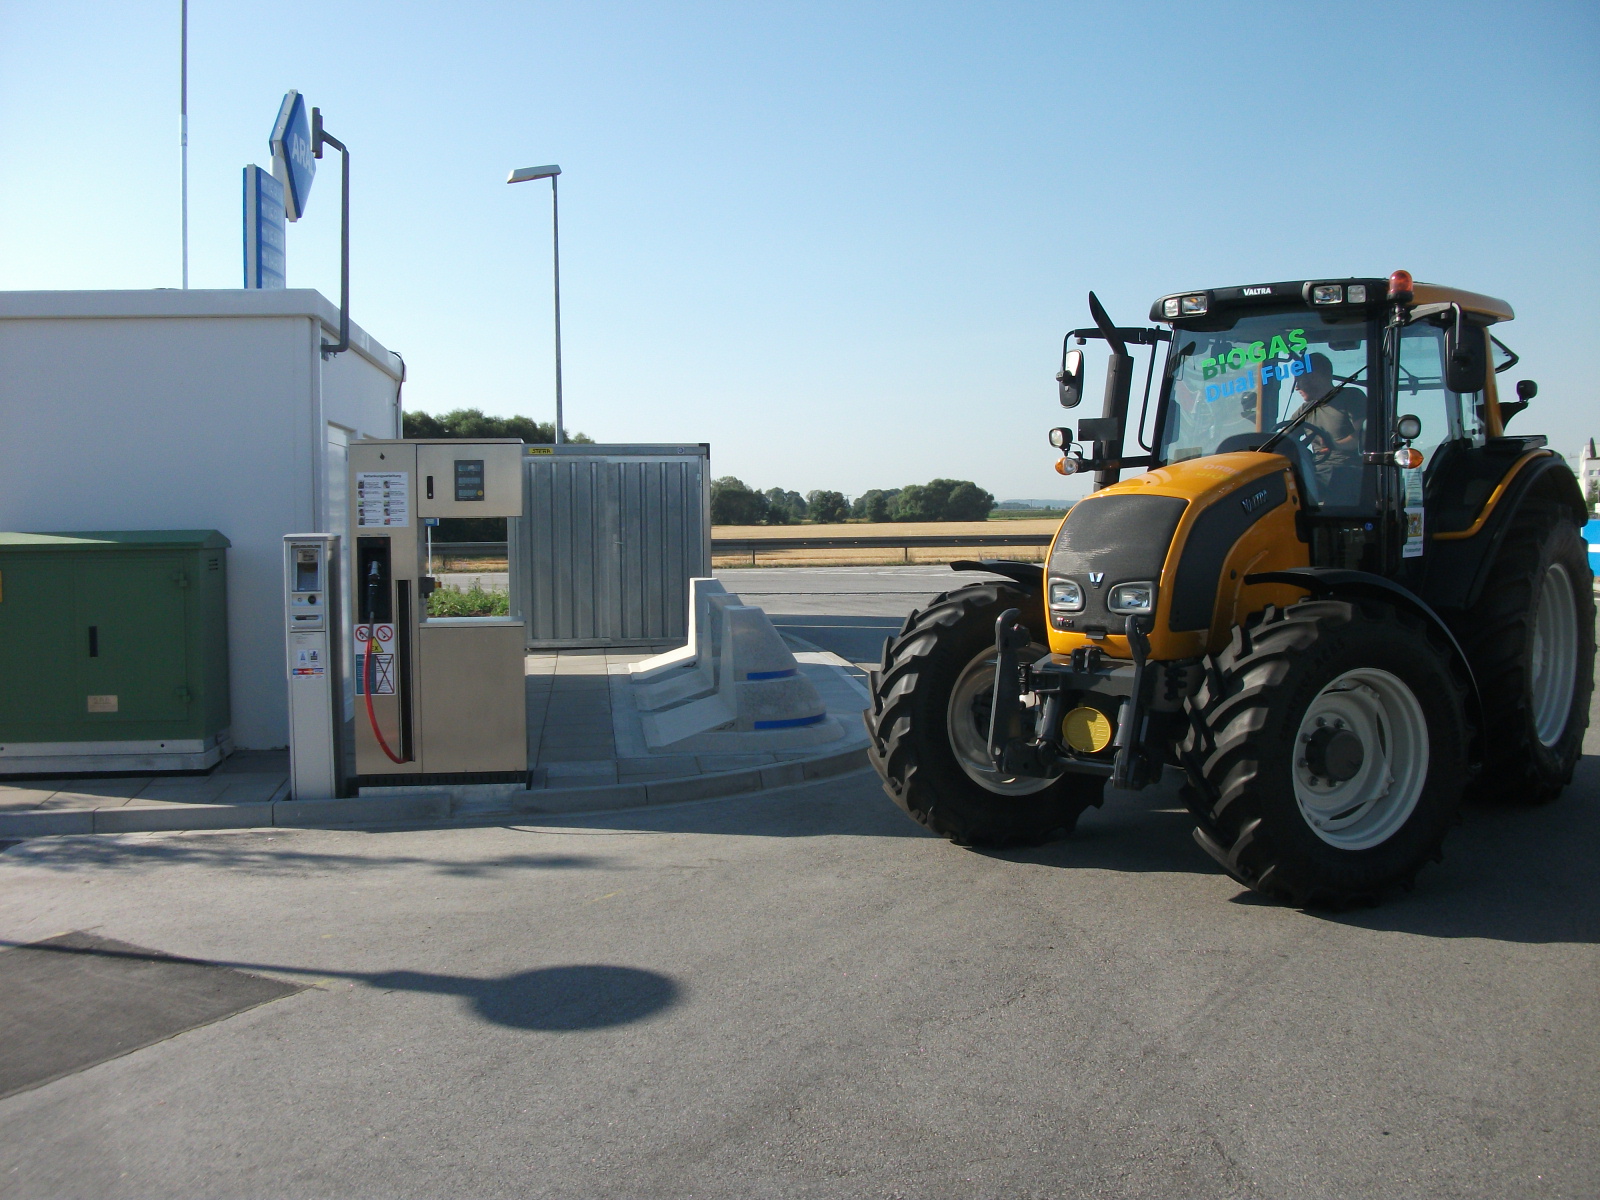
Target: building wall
197, 410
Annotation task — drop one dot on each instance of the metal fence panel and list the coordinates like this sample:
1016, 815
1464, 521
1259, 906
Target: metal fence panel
609, 538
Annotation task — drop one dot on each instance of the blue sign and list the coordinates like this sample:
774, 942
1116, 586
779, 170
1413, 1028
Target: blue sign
264, 241
294, 161
1591, 534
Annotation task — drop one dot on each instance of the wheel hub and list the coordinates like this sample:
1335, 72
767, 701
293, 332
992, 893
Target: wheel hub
1554, 655
1361, 759
967, 722
1334, 754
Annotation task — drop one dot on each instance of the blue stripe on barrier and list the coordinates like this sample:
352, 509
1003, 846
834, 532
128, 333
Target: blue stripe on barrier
773, 674
792, 722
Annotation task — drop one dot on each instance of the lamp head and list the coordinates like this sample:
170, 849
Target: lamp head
525, 174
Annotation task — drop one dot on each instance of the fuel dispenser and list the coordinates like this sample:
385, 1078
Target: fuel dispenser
437, 699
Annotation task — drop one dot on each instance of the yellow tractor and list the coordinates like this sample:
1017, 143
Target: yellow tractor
1338, 597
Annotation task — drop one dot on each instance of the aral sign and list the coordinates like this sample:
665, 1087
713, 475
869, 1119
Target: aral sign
293, 162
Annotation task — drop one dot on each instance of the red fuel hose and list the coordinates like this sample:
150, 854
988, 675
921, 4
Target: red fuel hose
367, 681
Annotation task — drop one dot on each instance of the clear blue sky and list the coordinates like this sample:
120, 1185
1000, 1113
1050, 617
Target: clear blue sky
838, 242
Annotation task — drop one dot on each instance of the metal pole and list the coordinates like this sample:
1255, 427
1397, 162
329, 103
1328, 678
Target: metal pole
183, 115
319, 136
344, 247
555, 229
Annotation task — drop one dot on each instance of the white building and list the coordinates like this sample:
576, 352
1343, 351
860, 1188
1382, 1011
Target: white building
191, 410
1589, 469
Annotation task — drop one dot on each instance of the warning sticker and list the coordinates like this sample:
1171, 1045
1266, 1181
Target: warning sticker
379, 641
1414, 533
382, 674
383, 498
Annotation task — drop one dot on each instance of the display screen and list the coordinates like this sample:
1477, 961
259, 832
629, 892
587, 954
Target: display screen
305, 572
469, 479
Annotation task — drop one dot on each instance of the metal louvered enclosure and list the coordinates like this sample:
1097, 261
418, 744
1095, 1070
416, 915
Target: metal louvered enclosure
608, 540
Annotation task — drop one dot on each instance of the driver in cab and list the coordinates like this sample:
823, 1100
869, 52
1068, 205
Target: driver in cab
1336, 444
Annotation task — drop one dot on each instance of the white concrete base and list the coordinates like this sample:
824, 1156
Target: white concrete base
74, 758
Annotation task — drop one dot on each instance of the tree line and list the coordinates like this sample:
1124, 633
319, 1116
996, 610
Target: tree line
734, 503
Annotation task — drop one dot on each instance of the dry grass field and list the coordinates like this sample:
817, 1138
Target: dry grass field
878, 556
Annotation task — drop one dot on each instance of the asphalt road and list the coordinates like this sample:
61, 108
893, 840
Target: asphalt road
801, 994
848, 610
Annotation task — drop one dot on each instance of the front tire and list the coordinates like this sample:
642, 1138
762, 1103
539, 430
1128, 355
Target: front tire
1530, 640
929, 726
1327, 751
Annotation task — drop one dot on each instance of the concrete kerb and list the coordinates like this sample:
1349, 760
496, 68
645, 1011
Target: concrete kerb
426, 806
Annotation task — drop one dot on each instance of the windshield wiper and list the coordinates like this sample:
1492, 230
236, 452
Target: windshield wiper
1309, 409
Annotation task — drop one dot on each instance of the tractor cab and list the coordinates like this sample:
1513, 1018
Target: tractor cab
1323, 373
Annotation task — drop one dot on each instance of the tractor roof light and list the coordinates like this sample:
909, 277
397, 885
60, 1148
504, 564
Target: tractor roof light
1356, 293
1169, 306
1327, 293
1193, 306
1400, 287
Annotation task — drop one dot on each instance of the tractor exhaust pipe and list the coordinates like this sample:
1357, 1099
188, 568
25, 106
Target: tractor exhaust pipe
1114, 412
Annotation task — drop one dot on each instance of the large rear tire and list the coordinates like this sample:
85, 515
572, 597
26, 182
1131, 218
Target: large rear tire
929, 725
1327, 751
1530, 640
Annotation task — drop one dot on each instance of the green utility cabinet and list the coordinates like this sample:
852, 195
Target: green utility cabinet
113, 651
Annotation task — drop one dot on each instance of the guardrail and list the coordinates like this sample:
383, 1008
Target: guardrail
906, 543
470, 549
771, 545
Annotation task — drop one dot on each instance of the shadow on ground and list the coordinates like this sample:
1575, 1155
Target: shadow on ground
560, 999
1510, 873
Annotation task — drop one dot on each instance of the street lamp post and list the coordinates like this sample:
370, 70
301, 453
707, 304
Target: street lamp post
525, 175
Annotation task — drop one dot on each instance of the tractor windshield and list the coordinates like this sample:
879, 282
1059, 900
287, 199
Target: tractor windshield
1235, 377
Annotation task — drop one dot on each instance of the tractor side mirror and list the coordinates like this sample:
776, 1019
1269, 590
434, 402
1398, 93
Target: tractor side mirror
1466, 356
1070, 378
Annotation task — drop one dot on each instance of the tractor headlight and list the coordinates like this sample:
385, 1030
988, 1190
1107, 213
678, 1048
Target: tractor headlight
1065, 595
1169, 307
1136, 598
1356, 293
1327, 293
1194, 306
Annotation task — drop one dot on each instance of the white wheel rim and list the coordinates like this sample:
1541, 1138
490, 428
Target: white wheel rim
967, 721
1369, 807
1555, 655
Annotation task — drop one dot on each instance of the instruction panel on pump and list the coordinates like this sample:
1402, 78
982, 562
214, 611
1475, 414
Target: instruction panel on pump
383, 498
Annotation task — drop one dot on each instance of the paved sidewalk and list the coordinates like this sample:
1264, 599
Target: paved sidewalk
245, 777
585, 751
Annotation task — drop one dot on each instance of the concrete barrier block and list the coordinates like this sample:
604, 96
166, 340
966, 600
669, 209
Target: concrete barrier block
651, 670
45, 822
702, 676
146, 819
674, 725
